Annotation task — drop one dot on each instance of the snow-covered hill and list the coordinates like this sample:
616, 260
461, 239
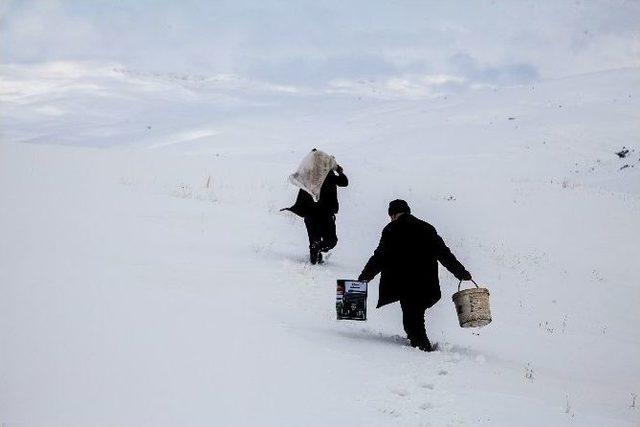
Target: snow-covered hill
154, 282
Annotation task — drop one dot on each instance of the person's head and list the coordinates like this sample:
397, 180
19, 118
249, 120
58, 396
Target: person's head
397, 208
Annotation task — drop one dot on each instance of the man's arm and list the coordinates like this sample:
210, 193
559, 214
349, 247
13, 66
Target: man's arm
449, 261
341, 179
375, 263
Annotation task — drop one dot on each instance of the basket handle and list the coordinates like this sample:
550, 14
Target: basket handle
474, 282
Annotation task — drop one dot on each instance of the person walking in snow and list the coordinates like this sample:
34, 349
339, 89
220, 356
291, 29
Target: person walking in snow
407, 257
320, 217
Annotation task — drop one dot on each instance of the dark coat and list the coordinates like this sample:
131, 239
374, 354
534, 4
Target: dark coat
328, 201
303, 206
408, 256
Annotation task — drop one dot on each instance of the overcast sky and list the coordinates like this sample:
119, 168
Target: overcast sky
312, 43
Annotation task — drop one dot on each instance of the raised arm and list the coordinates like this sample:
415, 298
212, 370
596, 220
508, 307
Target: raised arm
341, 179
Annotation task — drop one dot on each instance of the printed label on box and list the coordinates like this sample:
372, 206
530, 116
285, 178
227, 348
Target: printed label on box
351, 300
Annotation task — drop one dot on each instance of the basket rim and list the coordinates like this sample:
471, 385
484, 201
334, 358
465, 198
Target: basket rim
472, 291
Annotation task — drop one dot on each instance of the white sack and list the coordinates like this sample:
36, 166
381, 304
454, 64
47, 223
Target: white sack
312, 172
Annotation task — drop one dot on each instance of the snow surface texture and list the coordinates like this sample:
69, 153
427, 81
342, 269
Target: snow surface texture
154, 282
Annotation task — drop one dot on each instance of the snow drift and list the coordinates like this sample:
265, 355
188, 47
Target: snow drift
154, 282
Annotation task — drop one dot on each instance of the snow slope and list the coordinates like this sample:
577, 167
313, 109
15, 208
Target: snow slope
154, 282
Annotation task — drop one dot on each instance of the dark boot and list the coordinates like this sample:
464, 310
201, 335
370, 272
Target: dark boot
315, 256
413, 322
423, 344
329, 237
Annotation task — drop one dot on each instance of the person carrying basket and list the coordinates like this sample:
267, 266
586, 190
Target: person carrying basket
408, 256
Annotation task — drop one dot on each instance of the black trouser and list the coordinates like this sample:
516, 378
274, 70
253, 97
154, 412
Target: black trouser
321, 228
413, 321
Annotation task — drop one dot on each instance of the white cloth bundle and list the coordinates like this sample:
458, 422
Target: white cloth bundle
312, 172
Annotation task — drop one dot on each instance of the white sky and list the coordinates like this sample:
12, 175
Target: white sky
313, 43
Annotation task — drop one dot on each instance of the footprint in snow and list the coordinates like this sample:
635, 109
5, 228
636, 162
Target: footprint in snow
454, 357
390, 411
426, 406
399, 391
442, 372
427, 386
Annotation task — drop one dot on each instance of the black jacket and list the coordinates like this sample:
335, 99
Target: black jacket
328, 201
303, 206
408, 256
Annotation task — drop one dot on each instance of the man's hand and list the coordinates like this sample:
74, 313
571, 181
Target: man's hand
339, 169
466, 276
362, 279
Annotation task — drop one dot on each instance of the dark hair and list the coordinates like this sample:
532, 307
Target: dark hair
398, 206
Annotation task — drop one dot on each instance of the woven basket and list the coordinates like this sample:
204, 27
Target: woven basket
472, 306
